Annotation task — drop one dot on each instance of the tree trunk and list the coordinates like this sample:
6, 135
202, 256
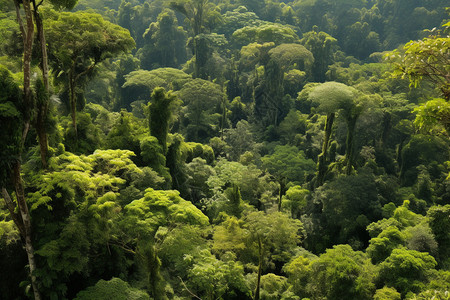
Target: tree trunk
351, 123
386, 128
258, 280
25, 216
153, 265
43, 143
43, 106
322, 159
73, 102
27, 31
281, 193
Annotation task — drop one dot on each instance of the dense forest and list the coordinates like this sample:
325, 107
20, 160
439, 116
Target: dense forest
225, 149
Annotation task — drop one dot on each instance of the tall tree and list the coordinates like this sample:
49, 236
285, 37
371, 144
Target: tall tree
161, 115
24, 113
322, 46
331, 97
165, 43
32, 15
195, 11
273, 235
42, 104
334, 97
78, 42
427, 59
22, 219
15, 122
203, 107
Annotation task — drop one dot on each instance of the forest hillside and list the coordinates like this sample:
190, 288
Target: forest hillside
225, 149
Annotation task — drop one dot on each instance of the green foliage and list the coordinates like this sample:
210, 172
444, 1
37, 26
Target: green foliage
112, 289
110, 214
165, 43
380, 247
86, 139
430, 295
349, 204
322, 46
264, 33
78, 193
77, 42
274, 287
153, 155
406, 270
387, 293
439, 224
9, 34
252, 184
141, 83
236, 19
405, 216
239, 140
299, 272
426, 59
161, 115
213, 278
421, 149
66, 255
160, 208
296, 200
287, 162
292, 55
67, 4
125, 133
332, 96
198, 171
202, 109
340, 273
277, 233
193, 150
178, 243
13, 257
292, 127
11, 111
433, 117
420, 238
73, 36
229, 236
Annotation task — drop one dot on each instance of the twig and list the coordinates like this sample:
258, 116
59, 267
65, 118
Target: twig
192, 294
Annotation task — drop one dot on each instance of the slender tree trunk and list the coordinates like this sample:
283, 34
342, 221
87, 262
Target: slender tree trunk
322, 160
197, 58
351, 123
153, 265
386, 128
224, 116
281, 193
11, 206
23, 217
260, 261
73, 103
43, 144
27, 31
43, 106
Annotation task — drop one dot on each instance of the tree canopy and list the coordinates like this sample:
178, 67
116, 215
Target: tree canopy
228, 149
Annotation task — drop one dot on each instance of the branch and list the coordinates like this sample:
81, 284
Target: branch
192, 294
123, 246
11, 207
19, 20
85, 71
